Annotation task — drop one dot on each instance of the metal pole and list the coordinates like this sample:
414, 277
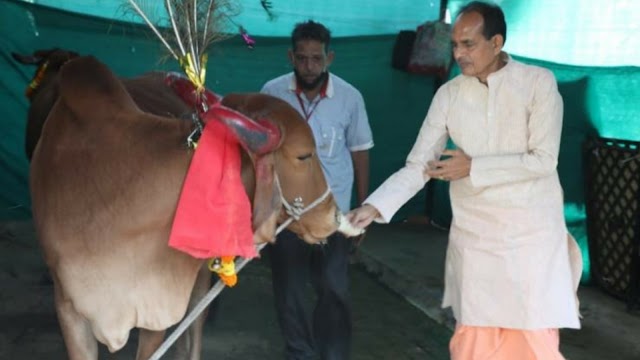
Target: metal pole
205, 301
197, 310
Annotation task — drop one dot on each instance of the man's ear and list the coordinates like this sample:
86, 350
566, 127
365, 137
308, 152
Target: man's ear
498, 43
291, 57
330, 57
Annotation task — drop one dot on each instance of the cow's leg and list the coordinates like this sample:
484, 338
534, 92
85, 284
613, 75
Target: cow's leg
76, 330
148, 342
189, 345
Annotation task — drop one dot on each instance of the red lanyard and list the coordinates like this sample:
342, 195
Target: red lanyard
312, 107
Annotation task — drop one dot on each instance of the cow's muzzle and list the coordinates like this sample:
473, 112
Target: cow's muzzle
345, 227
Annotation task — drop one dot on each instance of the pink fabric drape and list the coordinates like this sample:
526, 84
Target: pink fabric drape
492, 343
213, 217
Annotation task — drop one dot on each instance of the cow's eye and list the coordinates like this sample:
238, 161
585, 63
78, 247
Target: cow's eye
305, 157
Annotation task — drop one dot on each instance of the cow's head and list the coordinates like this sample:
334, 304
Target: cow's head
289, 178
48, 63
41, 90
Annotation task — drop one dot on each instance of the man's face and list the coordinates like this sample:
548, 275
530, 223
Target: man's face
475, 55
310, 61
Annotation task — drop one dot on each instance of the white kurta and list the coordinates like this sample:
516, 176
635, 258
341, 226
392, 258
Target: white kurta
510, 261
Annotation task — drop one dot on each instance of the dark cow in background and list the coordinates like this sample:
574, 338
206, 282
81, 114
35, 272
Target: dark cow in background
106, 175
42, 84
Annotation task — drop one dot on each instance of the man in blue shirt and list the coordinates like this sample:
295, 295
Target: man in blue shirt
335, 111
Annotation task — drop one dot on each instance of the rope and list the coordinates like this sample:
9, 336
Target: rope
197, 310
294, 211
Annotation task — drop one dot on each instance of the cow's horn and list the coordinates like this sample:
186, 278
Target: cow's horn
26, 59
258, 137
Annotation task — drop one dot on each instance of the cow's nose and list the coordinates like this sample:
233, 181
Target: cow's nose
345, 227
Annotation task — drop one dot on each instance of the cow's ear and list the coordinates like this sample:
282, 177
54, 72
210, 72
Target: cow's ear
266, 232
266, 200
258, 137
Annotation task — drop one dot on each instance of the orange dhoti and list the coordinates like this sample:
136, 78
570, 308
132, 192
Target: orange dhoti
492, 343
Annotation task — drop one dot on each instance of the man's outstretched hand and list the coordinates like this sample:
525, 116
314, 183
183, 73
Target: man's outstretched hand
363, 216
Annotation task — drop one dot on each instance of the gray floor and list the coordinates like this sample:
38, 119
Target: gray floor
410, 259
242, 326
396, 290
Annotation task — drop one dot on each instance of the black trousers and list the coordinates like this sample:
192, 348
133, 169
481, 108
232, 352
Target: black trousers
325, 334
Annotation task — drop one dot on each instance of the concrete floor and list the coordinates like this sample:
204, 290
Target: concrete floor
410, 259
242, 326
396, 291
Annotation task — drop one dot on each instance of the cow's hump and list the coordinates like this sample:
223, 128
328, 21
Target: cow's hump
87, 86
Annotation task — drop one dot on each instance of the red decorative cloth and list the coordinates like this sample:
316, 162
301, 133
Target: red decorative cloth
213, 217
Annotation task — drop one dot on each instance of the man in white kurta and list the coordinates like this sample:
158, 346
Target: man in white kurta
510, 262
507, 261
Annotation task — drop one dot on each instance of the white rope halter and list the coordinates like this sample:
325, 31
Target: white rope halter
297, 209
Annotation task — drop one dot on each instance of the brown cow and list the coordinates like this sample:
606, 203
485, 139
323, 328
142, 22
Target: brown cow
106, 176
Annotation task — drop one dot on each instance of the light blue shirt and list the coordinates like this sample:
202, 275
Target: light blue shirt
339, 124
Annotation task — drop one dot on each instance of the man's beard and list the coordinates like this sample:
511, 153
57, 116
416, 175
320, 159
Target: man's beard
313, 84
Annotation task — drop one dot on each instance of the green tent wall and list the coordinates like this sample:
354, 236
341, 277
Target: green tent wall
598, 100
396, 101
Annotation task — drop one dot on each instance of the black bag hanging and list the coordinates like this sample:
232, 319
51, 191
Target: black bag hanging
402, 49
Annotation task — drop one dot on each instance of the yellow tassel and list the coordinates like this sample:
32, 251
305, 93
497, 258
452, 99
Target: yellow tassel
189, 68
225, 267
203, 67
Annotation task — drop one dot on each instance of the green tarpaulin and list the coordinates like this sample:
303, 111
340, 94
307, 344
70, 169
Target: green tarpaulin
598, 100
